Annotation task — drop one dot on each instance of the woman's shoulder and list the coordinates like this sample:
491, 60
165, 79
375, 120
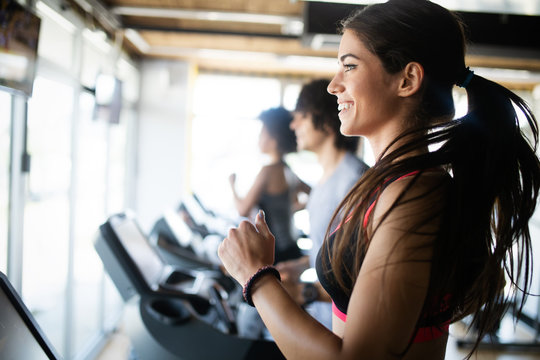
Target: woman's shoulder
412, 202
427, 186
418, 178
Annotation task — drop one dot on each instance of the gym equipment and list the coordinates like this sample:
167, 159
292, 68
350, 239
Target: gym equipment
185, 313
20, 335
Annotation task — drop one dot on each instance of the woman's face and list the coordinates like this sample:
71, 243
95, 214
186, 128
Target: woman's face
366, 93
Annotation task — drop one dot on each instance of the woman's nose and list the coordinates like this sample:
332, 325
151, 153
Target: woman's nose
334, 87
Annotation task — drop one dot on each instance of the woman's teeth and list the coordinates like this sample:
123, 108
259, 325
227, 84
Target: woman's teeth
344, 106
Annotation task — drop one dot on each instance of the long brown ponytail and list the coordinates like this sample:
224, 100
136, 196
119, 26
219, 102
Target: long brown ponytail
493, 167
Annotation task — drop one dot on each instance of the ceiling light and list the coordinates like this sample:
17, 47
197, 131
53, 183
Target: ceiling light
518, 7
204, 15
137, 40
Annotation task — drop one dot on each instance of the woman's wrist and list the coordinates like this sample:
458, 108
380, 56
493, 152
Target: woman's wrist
252, 283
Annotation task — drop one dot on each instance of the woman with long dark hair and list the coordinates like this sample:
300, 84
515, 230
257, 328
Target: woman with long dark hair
437, 227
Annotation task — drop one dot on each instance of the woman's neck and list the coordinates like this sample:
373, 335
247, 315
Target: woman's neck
382, 148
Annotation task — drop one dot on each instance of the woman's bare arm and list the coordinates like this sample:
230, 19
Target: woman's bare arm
386, 301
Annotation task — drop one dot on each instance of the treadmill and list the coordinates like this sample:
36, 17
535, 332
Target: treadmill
181, 244
172, 312
204, 218
20, 335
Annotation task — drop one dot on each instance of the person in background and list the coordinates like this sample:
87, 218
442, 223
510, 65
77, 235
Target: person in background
276, 188
438, 227
316, 125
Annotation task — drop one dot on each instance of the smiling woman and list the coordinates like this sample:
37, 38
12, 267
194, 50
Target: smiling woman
417, 246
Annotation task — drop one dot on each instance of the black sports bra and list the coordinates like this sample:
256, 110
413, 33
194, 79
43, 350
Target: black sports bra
428, 328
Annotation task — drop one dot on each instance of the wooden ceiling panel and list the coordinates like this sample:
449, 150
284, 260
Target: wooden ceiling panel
177, 35
192, 25
232, 42
274, 7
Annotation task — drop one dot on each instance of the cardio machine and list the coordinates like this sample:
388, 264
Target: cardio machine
20, 335
180, 243
190, 234
173, 312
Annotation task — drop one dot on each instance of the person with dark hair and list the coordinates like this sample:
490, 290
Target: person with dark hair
314, 102
276, 188
438, 227
316, 125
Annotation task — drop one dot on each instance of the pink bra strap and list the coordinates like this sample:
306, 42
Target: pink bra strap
422, 335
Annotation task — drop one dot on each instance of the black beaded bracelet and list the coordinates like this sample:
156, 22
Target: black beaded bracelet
246, 291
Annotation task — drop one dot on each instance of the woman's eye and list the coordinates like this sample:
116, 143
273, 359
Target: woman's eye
349, 67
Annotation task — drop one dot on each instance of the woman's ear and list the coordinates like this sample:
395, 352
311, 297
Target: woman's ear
411, 80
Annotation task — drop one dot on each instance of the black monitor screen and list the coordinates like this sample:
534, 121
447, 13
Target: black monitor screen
19, 34
20, 337
144, 256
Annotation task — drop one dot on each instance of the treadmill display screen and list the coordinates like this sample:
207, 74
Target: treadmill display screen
16, 340
139, 249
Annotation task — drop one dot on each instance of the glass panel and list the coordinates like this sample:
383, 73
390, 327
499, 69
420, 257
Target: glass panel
94, 62
225, 134
5, 143
117, 166
46, 221
90, 175
116, 203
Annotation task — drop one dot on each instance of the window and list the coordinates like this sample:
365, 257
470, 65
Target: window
226, 132
47, 213
70, 188
90, 184
5, 144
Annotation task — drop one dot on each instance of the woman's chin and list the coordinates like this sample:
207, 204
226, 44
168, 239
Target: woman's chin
346, 130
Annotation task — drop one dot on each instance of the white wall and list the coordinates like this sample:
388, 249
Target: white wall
161, 138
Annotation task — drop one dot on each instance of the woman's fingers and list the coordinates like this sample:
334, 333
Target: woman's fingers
262, 226
239, 252
247, 248
227, 252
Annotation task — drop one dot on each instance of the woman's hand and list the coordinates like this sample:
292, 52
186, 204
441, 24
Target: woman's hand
247, 248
